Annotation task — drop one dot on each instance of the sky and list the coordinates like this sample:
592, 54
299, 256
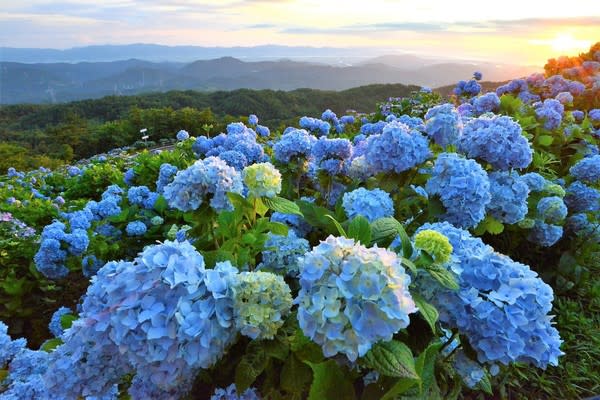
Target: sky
527, 32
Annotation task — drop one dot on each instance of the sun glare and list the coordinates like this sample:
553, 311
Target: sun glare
567, 43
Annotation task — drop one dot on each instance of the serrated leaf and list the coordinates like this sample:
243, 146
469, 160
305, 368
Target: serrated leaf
392, 358
485, 384
490, 225
67, 320
282, 205
429, 313
425, 366
360, 230
401, 387
384, 230
277, 228
443, 276
329, 382
261, 207
295, 376
545, 140
252, 364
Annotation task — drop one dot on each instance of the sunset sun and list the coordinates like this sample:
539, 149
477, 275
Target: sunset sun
565, 42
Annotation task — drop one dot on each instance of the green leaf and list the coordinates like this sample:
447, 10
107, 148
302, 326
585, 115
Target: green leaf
407, 249
339, 227
295, 376
490, 225
360, 230
252, 364
239, 202
51, 344
425, 366
401, 387
384, 230
282, 205
261, 208
428, 312
485, 384
277, 228
161, 204
67, 320
329, 382
545, 140
443, 276
392, 358
3, 374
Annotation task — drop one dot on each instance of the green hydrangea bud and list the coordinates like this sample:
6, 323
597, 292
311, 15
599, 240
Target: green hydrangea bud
262, 180
261, 302
555, 190
527, 223
172, 232
435, 244
157, 220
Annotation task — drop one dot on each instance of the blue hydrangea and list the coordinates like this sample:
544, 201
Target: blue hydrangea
501, 306
488, 102
587, 169
50, 258
202, 145
71, 170
545, 234
263, 130
581, 198
295, 143
463, 187
234, 159
8, 347
375, 128
165, 176
332, 155
564, 98
534, 181
25, 377
371, 204
443, 124
509, 197
477, 75
470, 371
90, 265
252, 119
412, 122
578, 115
552, 209
397, 149
550, 112
77, 241
579, 225
352, 297
347, 119
80, 219
329, 115
497, 140
136, 228
467, 88
320, 127
594, 115
281, 253
230, 393
55, 325
295, 222
129, 176
192, 186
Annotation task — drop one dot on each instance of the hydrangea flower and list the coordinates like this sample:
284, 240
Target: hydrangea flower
498, 141
234, 159
295, 143
501, 306
192, 186
315, 125
534, 181
375, 128
545, 234
435, 244
55, 325
552, 209
262, 180
443, 124
129, 176
8, 347
564, 98
165, 176
509, 197
50, 258
332, 155
252, 119
352, 297
550, 112
230, 393
397, 149
463, 187
587, 169
263, 130
580, 198
281, 253
90, 265
295, 222
488, 102
371, 204
470, 371
136, 228
261, 301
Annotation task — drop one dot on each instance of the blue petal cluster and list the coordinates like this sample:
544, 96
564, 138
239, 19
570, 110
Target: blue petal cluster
443, 124
230, 393
397, 149
488, 102
587, 169
352, 297
501, 306
582, 198
142, 196
294, 144
136, 228
281, 253
545, 234
551, 209
55, 325
332, 155
165, 176
463, 187
497, 140
550, 112
182, 135
315, 125
192, 186
509, 197
371, 204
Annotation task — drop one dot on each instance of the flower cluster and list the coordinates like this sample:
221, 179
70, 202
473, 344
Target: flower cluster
142, 196
550, 112
55, 325
463, 187
397, 149
371, 204
551, 209
545, 234
435, 244
509, 197
318, 126
136, 228
165, 176
239, 138
486, 103
262, 180
50, 257
582, 198
501, 306
331, 155
587, 169
230, 393
282, 252
261, 301
443, 124
498, 141
182, 135
296, 143
467, 88
210, 176
352, 297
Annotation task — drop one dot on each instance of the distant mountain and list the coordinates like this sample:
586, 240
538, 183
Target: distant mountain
61, 82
